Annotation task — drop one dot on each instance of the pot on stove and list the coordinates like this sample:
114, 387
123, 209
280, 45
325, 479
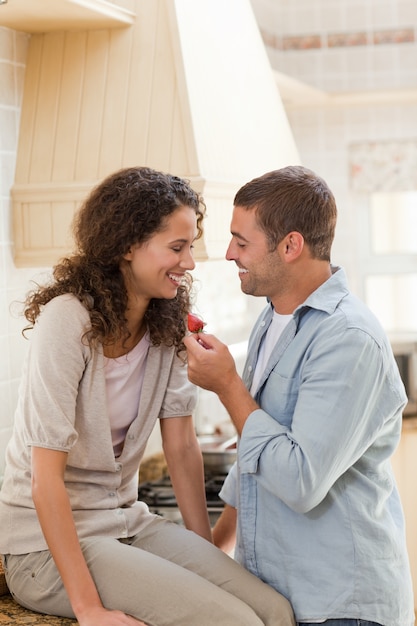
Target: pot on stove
219, 452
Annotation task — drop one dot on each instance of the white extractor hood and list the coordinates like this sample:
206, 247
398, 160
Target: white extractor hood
187, 89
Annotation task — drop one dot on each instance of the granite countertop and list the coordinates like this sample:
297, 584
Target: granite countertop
11, 614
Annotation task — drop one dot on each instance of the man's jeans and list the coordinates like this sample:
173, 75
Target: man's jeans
341, 622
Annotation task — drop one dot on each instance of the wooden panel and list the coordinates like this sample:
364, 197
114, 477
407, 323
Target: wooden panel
115, 101
96, 101
140, 84
37, 225
29, 109
62, 214
178, 156
92, 105
42, 217
184, 148
69, 106
47, 108
162, 98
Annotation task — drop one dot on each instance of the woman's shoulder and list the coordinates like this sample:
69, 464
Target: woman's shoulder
66, 302
65, 309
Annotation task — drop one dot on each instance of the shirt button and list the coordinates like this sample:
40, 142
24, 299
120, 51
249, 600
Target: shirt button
262, 324
250, 368
130, 437
112, 494
118, 467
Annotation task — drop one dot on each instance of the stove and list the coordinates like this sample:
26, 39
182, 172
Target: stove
160, 498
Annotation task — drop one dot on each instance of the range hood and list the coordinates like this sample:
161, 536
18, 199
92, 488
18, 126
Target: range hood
187, 88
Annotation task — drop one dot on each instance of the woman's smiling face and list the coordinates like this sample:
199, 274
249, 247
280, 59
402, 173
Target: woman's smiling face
157, 266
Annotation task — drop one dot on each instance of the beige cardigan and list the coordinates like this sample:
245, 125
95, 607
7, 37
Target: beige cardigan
62, 406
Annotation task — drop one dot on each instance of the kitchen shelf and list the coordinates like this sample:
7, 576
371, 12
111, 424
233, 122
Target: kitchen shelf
52, 15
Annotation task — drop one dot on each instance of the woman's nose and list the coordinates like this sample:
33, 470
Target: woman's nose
187, 260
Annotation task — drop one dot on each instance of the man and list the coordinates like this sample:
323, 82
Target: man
318, 414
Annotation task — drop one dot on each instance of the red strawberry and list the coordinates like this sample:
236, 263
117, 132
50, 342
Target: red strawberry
195, 324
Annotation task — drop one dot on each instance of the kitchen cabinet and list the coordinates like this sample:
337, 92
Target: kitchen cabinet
405, 469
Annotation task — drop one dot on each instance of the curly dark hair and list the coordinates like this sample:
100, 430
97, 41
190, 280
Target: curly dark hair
127, 208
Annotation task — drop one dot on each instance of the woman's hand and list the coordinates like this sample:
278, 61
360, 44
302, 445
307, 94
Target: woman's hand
55, 516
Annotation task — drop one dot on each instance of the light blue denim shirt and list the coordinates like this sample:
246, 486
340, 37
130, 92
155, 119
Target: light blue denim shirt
319, 513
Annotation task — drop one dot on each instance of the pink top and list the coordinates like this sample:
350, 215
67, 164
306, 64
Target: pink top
124, 379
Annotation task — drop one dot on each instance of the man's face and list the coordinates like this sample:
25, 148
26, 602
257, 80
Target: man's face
261, 271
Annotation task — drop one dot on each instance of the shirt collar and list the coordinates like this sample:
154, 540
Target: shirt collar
328, 296
325, 298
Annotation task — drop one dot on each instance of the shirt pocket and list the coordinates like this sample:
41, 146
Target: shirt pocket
278, 397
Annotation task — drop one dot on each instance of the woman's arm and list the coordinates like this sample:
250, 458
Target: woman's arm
224, 531
185, 465
55, 516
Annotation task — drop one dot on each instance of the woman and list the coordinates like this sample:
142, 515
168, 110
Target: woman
105, 362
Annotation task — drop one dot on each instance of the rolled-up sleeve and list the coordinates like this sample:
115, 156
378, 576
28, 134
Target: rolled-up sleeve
229, 490
344, 389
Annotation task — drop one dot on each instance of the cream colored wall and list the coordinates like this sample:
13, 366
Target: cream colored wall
405, 468
13, 282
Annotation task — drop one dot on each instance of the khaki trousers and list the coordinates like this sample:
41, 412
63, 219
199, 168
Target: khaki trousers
165, 576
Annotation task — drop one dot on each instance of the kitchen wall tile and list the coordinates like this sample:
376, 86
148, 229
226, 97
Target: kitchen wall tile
335, 64
384, 14
8, 124
333, 17
13, 47
358, 61
4, 363
347, 39
407, 61
4, 312
360, 29
21, 44
407, 12
358, 15
305, 20
8, 83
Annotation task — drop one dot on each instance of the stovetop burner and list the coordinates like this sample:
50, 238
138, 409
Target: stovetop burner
158, 494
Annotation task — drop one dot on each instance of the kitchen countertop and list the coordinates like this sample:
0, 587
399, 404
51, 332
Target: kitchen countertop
409, 423
11, 614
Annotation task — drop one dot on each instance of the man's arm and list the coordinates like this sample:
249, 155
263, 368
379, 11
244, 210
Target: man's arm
224, 531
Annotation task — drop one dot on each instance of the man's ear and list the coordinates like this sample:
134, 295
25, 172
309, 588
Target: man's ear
293, 245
